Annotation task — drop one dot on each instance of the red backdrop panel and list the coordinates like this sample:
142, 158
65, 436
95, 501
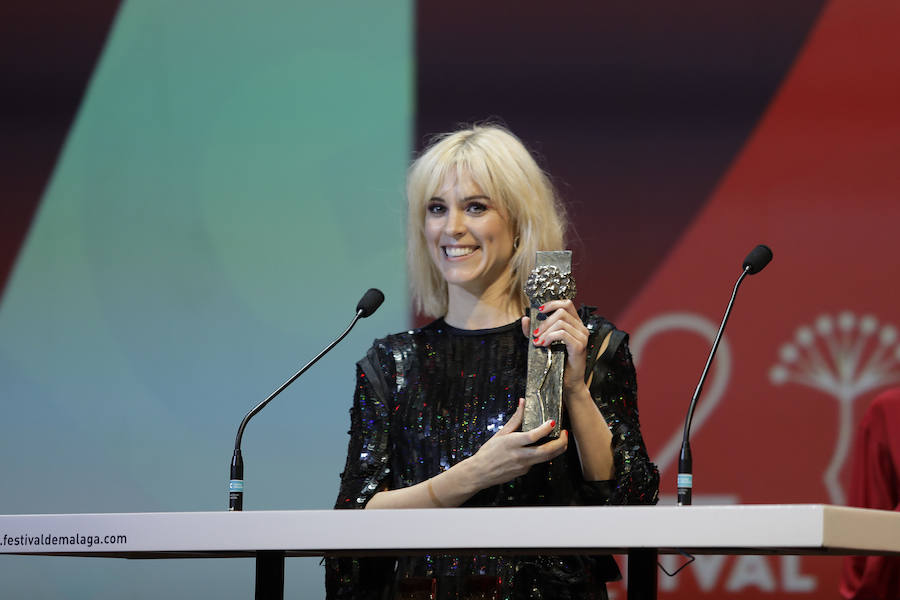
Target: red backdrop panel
813, 336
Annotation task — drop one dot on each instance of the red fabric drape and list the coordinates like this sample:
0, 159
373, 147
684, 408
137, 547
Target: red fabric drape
875, 484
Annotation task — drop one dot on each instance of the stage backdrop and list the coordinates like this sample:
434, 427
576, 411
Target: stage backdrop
682, 135
231, 185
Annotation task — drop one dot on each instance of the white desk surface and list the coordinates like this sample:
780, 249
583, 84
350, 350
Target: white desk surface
734, 529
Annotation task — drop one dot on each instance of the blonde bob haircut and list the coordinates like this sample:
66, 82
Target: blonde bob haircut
498, 162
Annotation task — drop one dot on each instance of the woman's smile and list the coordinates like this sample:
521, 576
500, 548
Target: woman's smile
452, 252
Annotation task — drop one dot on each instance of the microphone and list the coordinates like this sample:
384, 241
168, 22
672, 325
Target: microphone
755, 262
367, 305
373, 298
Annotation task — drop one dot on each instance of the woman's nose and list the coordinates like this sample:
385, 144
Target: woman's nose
455, 224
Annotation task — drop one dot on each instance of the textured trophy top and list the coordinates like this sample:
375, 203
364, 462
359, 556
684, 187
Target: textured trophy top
551, 278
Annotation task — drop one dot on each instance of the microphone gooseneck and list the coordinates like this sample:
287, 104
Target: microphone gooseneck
369, 303
755, 262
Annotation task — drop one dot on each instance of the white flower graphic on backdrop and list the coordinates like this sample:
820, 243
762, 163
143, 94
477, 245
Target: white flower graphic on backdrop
844, 357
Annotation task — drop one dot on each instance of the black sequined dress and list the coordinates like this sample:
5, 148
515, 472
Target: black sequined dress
429, 398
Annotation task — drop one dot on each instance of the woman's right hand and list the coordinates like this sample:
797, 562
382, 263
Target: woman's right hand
508, 454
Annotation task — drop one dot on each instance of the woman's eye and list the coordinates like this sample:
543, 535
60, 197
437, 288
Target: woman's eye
436, 209
476, 207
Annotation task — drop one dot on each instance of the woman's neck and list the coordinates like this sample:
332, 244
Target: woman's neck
480, 311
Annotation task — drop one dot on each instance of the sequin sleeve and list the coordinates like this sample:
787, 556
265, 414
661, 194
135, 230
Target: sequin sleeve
614, 389
368, 454
366, 473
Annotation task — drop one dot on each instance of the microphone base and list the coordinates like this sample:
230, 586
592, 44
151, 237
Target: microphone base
236, 483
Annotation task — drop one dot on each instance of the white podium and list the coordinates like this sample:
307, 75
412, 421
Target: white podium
640, 531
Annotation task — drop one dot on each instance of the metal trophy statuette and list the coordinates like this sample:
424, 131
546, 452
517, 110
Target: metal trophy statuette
551, 279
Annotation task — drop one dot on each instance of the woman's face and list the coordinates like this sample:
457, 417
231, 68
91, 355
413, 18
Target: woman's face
469, 235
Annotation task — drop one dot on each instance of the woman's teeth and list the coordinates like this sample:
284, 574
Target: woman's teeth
455, 252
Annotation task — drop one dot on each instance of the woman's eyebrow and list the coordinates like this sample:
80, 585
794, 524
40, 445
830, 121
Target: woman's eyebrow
466, 199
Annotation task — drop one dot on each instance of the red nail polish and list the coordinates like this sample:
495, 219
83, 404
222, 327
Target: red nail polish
535, 331
541, 307
553, 423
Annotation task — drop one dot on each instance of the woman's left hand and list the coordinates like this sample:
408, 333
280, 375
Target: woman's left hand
562, 325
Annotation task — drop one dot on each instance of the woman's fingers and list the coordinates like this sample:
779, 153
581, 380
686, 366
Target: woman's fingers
548, 450
555, 308
564, 325
504, 457
528, 454
525, 439
573, 336
538, 433
561, 316
545, 451
515, 421
554, 448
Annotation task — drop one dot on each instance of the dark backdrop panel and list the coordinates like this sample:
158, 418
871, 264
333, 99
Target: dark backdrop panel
48, 49
637, 109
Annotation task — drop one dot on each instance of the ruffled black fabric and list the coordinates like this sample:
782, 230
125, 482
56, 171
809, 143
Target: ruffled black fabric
429, 398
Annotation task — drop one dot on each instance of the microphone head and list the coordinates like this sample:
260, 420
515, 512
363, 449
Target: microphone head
757, 260
370, 302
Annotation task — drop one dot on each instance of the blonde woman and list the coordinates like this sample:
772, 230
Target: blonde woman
436, 414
